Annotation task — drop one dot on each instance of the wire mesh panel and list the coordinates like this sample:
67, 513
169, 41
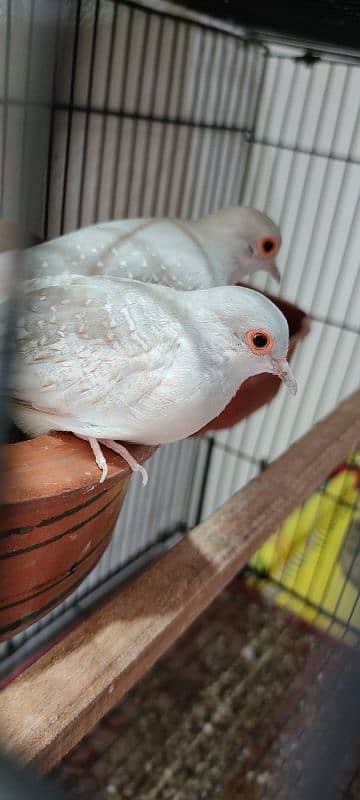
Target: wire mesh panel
149, 118
143, 113
303, 168
27, 56
313, 559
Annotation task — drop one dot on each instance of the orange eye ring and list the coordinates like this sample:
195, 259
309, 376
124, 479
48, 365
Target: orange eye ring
268, 246
260, 341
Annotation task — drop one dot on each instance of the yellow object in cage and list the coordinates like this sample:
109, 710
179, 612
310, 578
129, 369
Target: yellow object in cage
307, 555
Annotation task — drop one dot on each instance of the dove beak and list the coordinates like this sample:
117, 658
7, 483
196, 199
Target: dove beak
282, 370
274, 271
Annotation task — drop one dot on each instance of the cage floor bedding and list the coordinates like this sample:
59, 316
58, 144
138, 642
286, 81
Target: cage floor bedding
235, 711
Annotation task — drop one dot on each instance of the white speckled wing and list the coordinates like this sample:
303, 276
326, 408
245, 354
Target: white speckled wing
152, 250
91, 353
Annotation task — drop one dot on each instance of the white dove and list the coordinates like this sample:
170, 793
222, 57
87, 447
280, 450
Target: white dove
123, 360
217, 250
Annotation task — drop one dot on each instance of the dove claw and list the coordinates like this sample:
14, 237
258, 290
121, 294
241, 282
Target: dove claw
117, 448
130, 460
99, 456
144, 475
104, 472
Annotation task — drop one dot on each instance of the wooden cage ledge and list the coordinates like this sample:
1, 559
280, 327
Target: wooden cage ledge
48, 709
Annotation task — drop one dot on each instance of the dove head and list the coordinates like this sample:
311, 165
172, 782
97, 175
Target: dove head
253, 238
259, 333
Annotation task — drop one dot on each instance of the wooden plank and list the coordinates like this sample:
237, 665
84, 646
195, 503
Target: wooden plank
53, 704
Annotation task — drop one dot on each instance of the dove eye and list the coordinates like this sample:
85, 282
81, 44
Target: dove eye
267, 246
260, 342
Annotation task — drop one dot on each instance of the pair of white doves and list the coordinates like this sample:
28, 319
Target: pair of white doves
111, 344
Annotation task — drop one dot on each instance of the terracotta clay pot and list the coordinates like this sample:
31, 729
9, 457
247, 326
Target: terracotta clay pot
261, 389
55, 524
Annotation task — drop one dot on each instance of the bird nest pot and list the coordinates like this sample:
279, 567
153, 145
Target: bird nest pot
259, 390
57, 519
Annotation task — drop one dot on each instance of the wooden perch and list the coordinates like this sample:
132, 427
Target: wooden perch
53, 704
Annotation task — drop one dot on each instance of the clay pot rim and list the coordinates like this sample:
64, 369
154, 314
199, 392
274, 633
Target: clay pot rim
58, 463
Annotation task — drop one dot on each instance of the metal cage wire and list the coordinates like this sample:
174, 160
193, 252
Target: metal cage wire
139, 111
